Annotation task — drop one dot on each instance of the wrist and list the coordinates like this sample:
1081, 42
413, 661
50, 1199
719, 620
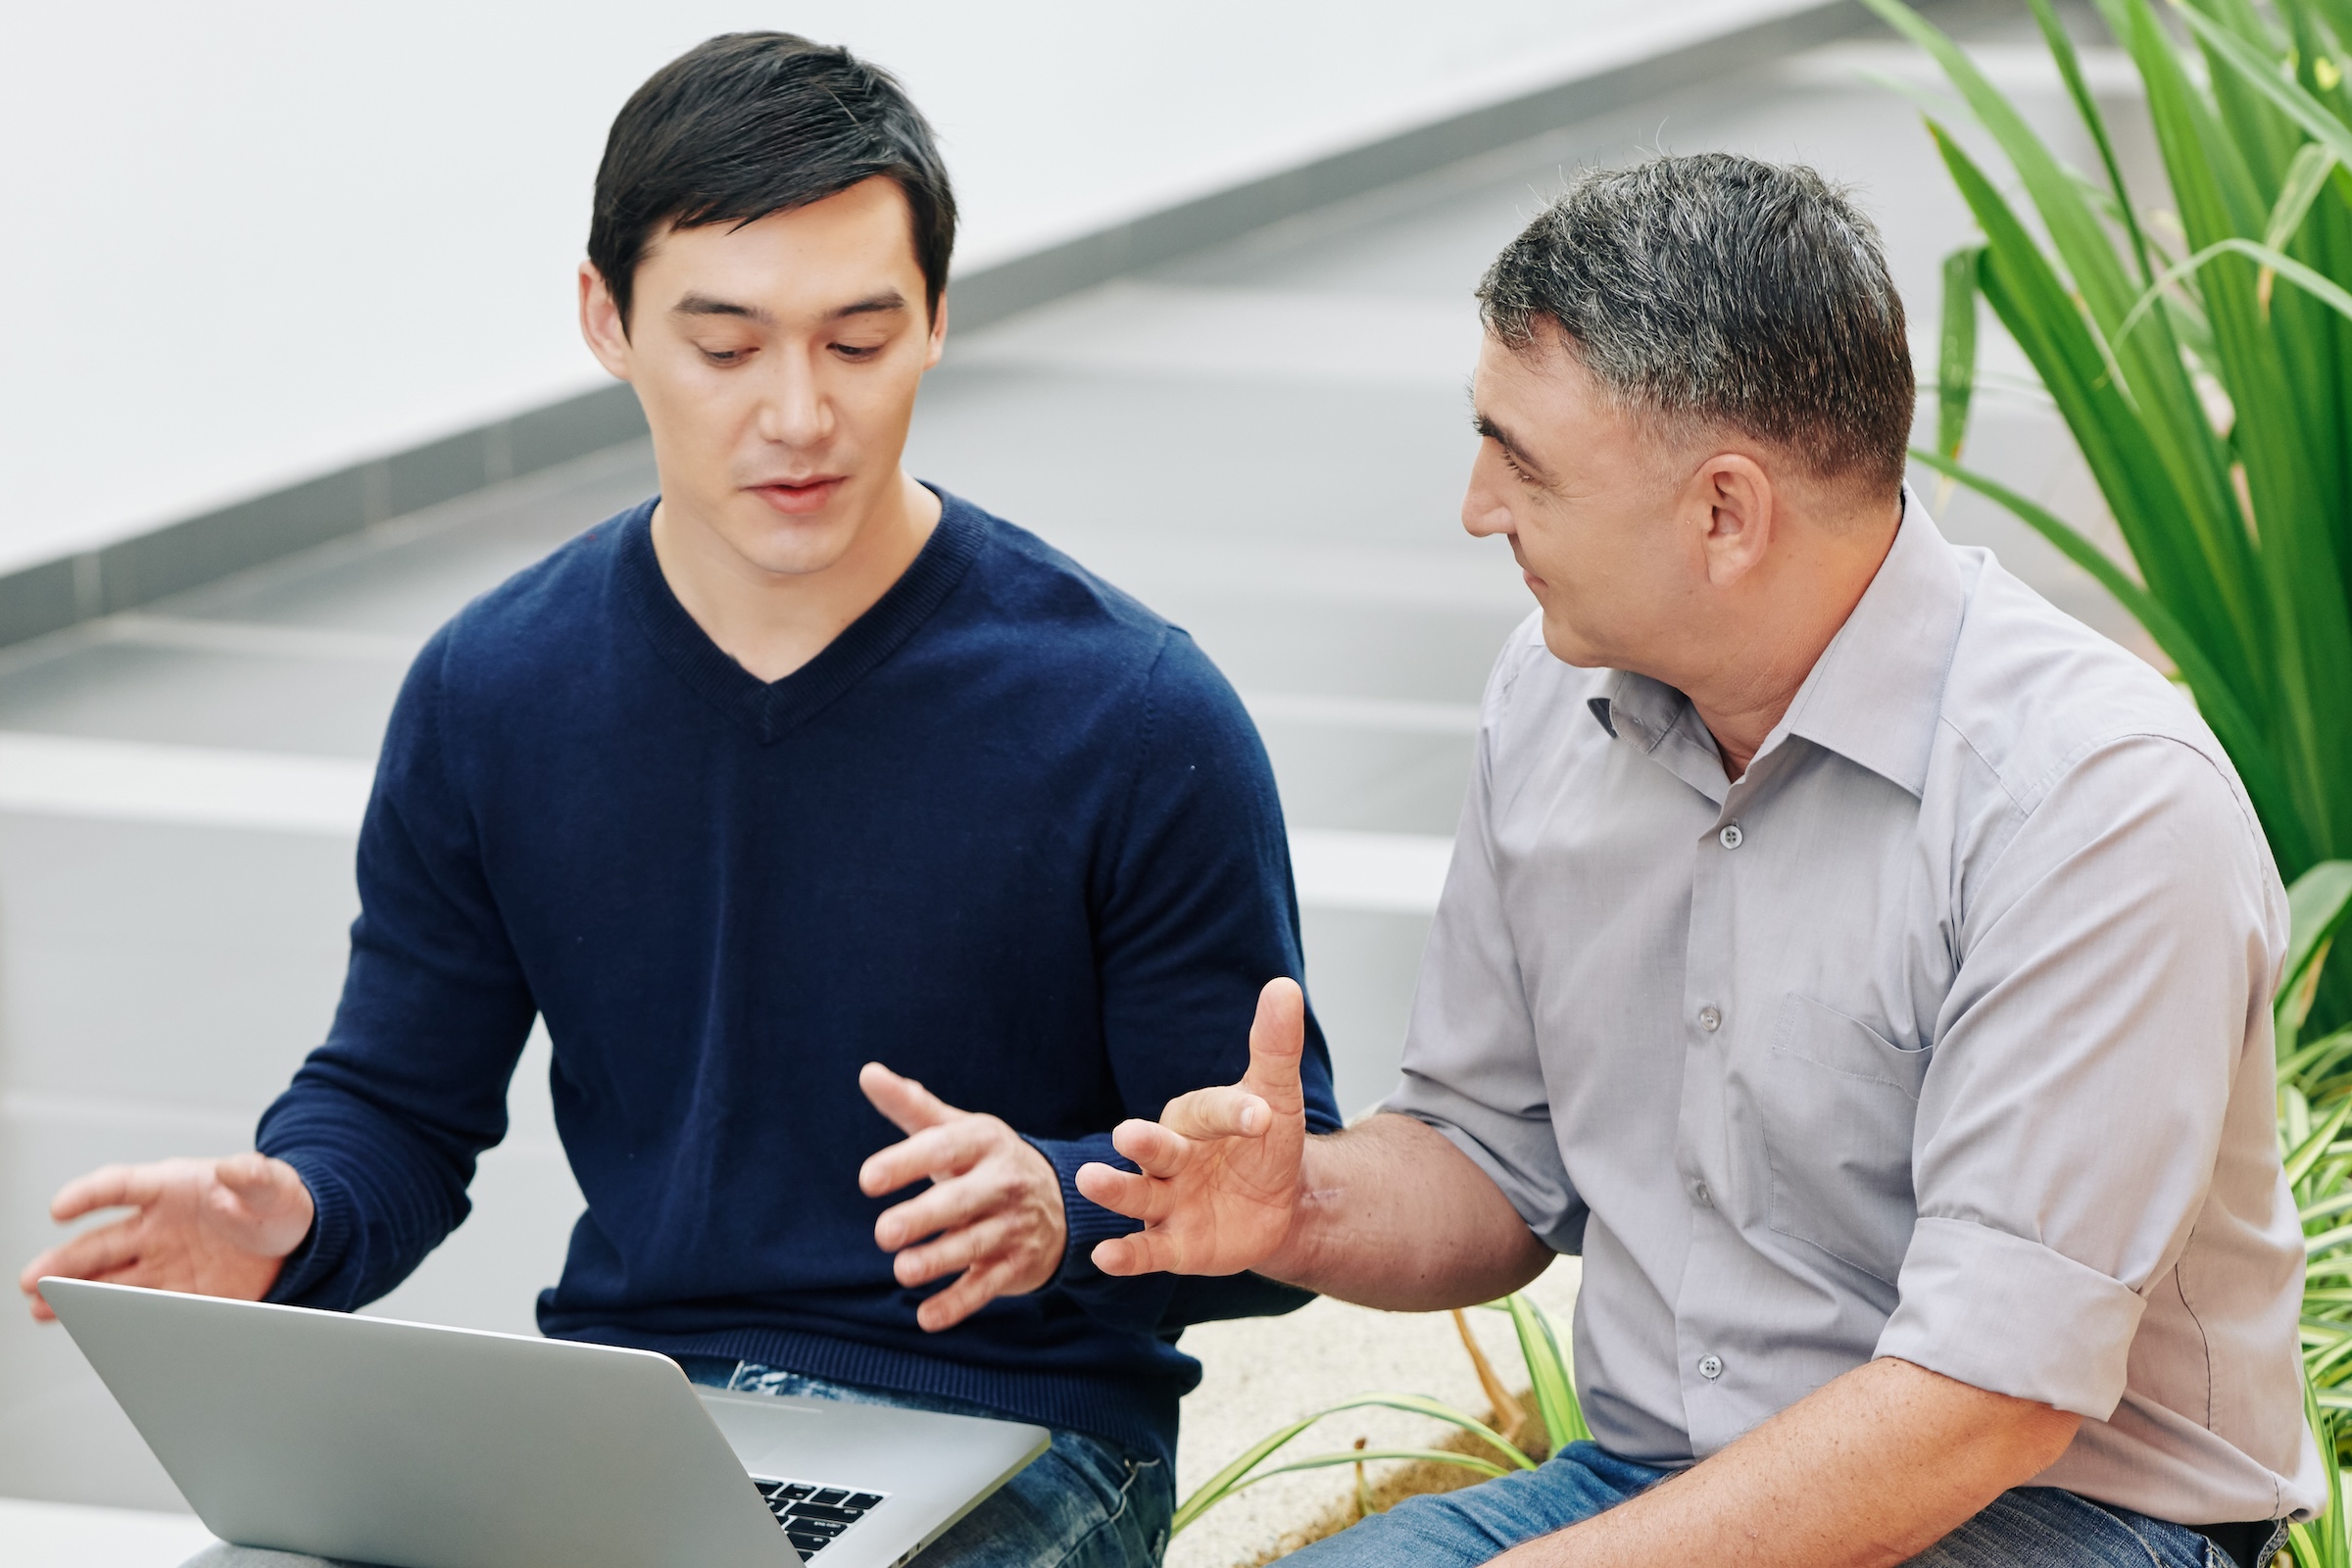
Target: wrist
1084, 1223
1314, 1203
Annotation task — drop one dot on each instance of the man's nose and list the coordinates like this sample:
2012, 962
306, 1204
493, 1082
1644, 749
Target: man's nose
1483, 514
791, 406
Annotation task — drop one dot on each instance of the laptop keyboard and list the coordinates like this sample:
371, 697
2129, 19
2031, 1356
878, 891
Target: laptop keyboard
815, 1516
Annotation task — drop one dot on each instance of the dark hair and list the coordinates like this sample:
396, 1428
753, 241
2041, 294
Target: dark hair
1727, 291
750, 123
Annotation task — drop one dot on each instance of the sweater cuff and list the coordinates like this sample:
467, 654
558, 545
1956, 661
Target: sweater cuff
1086, 1221
2012, 1316
321, 1252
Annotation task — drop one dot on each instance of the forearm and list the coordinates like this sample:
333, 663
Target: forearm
1871, 1469
1394, 1216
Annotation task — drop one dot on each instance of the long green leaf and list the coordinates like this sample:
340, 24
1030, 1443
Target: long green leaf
1549, 1374
2317, 284
1956, 362
1339, 1457
2317, 904
2155, 383
2205, 589
1225, 1481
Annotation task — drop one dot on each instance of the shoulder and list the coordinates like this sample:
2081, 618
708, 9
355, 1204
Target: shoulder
2034, 696
1060, 605
1044, 610
2092, 755
546, 606
546, 619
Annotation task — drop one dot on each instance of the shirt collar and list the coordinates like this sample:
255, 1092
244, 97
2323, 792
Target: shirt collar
1876, 693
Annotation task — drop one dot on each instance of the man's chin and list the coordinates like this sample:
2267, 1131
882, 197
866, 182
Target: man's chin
786, 546
1570, 649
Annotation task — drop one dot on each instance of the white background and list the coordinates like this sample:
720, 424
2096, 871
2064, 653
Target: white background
249, 240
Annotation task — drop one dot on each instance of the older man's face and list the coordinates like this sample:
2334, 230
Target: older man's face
1587, 499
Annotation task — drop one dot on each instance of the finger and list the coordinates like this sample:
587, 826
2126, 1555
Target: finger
909, 1106
993, 1238
958, 1201
1227, 1111
1124, 1193
107, 1187
89, 1254
1149, 1251
263, 1186
937, 1152
962, 1299
1159, 1151
1277, 1041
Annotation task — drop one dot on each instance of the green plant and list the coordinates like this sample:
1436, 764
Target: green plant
1551, 1376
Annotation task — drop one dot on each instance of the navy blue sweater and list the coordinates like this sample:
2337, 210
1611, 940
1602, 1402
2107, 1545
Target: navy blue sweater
1010, 834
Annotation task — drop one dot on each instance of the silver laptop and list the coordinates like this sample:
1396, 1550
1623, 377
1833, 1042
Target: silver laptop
417, 1446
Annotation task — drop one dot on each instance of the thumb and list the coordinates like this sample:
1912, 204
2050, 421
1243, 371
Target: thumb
249, 1175
909, 1106
1277, 1040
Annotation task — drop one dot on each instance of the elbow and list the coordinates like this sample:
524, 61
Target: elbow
2036, 1436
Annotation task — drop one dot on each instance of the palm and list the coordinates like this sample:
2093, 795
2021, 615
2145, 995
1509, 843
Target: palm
209, 1227
202, 1234
1219, 1178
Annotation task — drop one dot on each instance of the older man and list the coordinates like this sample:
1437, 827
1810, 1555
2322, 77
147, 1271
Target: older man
1864, 966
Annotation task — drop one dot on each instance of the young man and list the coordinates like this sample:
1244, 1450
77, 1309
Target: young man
1864, 966
802, 767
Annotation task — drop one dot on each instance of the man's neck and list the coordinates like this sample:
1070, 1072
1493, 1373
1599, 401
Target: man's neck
773, 623
1744, 697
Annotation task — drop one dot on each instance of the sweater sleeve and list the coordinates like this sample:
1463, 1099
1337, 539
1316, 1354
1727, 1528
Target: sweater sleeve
1194, 912
385, 1120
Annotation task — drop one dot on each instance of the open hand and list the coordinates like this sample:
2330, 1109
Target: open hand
1221, 1186
209, 1227
993, 1209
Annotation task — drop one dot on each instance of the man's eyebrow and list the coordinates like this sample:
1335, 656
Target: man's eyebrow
888, 299
704, 305
1485, 427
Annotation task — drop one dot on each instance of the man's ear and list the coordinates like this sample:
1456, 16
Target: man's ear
939, 334
601, 326
1741, 516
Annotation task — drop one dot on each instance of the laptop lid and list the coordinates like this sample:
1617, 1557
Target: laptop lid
419, 1446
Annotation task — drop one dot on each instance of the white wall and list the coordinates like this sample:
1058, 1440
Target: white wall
249, 240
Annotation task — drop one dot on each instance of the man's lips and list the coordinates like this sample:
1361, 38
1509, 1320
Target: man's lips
794, 497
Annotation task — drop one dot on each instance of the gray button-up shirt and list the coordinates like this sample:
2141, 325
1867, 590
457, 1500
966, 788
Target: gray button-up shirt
1942, 1034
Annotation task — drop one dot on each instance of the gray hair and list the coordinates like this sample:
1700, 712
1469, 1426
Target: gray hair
1721, 291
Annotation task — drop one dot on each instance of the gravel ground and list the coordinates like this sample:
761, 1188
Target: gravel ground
1261, 1373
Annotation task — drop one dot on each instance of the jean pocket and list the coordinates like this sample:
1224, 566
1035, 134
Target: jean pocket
1838, 1104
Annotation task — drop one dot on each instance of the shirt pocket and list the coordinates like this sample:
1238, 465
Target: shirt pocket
1839, 1103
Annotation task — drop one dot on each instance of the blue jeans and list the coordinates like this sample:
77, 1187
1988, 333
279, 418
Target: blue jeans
1084, 1504
2031, 1527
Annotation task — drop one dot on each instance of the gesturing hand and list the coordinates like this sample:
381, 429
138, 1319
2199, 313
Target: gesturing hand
1220, 1185
994, 1207
209, 1227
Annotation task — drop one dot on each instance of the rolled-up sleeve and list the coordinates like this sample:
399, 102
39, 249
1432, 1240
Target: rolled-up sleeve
1471, 1066
2115, 973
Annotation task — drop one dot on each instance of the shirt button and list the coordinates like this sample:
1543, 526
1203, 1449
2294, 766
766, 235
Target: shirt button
1699, 1194
1709, 1020
1710, 1367
1731, 838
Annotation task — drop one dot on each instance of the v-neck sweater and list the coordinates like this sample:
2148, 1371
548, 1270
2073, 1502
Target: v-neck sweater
1011, 833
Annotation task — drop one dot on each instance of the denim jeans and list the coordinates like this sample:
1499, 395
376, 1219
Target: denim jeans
2031, 1527
1084, 1504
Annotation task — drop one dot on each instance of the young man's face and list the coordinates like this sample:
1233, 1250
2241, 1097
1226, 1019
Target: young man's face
777, 363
